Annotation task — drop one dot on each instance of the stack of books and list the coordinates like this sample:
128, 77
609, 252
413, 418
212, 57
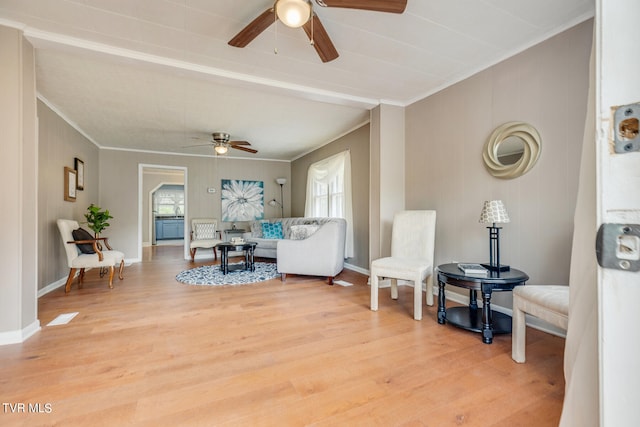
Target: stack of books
473, 269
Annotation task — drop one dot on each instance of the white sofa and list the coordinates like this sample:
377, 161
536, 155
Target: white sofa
320, 254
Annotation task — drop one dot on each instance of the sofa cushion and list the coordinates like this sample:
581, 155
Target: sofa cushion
256, 227
82, 234
301, 232
272, 230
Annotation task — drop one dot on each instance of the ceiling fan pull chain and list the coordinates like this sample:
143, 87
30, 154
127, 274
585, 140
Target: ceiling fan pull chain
311, 42
275, 20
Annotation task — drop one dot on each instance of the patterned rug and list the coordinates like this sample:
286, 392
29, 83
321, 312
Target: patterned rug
211, 275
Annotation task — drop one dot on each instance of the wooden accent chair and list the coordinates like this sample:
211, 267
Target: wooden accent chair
412, 248
203, 236
87, 253
546, 302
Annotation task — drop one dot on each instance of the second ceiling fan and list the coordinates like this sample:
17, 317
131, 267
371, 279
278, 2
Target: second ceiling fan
221, 144
299, 13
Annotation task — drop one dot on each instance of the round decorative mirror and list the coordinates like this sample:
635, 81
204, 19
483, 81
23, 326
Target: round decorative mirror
511, 150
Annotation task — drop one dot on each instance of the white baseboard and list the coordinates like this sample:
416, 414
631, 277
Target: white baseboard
531, 321
356, 269
61, 282
16, 337
53, 286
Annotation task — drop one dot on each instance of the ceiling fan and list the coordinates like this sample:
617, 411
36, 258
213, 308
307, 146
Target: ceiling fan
221, 144
299, 13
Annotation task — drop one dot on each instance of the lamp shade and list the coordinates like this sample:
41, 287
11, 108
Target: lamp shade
281, 181
493, 212
293, 13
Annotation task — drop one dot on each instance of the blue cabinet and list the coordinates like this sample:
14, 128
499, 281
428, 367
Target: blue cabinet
169, 229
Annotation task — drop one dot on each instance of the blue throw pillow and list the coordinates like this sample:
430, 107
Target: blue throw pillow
272, 230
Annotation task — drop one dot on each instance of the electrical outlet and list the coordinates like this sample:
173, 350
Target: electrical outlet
211, 190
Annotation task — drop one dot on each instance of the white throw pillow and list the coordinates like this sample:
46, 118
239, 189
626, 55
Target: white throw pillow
301, 232
256, 228
205, 231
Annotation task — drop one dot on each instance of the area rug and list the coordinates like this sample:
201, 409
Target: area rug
211, 275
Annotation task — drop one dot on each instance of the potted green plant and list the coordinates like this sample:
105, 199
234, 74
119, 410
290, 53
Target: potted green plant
97, 219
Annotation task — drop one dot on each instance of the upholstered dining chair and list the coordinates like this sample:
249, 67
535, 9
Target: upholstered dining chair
412, 248
203, 236
87, 252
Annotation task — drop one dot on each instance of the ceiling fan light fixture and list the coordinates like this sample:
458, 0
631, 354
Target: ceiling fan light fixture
293, 13
221, 148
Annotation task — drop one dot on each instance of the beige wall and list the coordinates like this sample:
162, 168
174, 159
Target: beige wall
58, 145
546, 86
19, 171
119, 173
358, 142
387, 177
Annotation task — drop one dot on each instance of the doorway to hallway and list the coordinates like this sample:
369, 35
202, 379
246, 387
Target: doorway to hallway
162, 200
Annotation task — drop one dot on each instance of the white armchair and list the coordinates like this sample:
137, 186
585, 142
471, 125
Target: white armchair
203, 236
78, 261
412, 248
321, 254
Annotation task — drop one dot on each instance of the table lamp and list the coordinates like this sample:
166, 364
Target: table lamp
494, 212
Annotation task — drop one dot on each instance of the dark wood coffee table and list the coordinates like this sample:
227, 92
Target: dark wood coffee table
247, 248
485, 321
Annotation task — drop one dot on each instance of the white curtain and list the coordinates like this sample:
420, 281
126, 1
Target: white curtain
324, 172
581, 396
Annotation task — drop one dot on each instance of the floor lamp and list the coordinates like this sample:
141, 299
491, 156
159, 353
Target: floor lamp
274, 202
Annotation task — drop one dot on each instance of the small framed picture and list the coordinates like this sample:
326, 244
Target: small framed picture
69, 184
79, 165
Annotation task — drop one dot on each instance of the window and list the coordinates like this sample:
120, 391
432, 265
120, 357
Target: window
169, 200
329, 192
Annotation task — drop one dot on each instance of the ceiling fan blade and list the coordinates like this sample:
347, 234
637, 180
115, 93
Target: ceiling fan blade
248, 150
197, 145
321, 41
254, 29
239, 143
391, 6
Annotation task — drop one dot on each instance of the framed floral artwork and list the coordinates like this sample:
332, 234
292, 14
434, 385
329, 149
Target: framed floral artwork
69, 184
242, 200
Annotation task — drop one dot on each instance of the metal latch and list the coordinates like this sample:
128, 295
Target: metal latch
625, 128
618, 246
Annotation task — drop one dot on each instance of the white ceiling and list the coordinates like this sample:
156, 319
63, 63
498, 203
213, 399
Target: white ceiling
154, 74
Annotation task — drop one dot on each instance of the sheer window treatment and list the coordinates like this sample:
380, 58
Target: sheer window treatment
329, 193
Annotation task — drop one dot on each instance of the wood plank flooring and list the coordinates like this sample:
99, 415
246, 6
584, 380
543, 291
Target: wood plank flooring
155, 352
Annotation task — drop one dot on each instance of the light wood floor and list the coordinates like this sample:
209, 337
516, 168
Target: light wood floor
155, 352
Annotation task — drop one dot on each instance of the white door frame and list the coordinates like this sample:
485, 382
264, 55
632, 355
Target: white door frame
618, 194
141, 167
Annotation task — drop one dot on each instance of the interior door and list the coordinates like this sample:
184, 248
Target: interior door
618, 84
